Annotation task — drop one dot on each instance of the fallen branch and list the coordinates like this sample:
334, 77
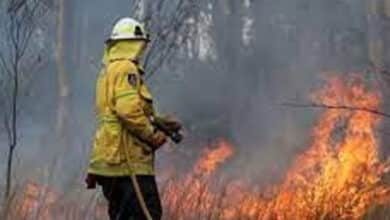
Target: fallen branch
344, 107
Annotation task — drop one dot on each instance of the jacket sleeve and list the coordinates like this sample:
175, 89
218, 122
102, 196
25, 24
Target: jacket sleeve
127, 104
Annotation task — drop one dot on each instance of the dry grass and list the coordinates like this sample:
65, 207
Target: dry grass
29, 203
36, 202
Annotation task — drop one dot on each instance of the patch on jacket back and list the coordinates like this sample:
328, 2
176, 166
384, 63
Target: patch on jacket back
132, 79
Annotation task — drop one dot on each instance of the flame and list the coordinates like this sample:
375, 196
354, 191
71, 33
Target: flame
37, 200
213, 158
338, 177
191, 196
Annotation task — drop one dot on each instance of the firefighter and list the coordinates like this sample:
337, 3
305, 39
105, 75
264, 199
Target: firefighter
123, 153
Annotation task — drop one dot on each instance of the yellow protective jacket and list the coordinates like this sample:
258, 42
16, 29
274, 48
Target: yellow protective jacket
124, 106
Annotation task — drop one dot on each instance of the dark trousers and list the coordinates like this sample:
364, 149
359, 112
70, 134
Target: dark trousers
122, 199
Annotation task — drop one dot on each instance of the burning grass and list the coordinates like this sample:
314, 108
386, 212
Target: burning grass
339, 176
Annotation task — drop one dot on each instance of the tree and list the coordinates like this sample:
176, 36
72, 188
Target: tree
63, 82
170, 23
17, 61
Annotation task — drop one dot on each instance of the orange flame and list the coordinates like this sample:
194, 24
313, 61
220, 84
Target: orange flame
338, 177
212, 158
190, 197
37, 201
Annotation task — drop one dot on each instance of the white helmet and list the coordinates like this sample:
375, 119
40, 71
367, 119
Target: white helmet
128, 29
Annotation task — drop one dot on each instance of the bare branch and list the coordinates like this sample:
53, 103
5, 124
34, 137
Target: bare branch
7, 126
168, 23
15, 5
20, 23
341, 107
3, 64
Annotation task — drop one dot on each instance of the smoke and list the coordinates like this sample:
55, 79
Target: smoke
293, 44
245, 58
238, 93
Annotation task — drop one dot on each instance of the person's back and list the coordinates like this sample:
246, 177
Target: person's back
122, 157
123, 106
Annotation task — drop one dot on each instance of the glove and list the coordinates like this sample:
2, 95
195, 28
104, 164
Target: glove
170, 123
158, 139
90, 181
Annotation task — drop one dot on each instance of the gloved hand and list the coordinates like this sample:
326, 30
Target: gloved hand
170, 122
158, 139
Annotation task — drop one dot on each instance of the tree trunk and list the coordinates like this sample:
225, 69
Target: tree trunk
63, 87
13, 127
9, 171
375, 41
386, 32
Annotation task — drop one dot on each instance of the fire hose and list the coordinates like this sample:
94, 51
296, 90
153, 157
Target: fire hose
140, 197
176, 137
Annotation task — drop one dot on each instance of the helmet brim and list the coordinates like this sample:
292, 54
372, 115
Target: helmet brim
126, 38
